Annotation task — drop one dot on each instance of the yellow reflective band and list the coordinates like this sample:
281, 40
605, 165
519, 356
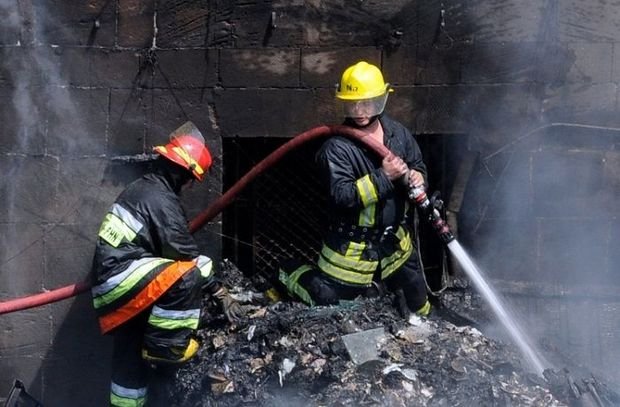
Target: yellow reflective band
351, 263
292, 284
118, 401
366, 190
355, 250
125, 397
113, 230
398, 258
367, 216
128, 283
173, 323
345, 275
424, 309
189, 160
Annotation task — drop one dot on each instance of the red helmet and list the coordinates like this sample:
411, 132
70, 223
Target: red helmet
187, 148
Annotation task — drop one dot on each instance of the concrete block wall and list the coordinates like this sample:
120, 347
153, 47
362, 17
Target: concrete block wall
89, 86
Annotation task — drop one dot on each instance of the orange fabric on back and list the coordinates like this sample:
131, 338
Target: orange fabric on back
145, 298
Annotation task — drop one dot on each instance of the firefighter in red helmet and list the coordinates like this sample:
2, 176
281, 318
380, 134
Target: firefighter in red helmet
149, 276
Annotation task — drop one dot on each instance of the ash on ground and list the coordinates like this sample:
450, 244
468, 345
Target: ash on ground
364, 353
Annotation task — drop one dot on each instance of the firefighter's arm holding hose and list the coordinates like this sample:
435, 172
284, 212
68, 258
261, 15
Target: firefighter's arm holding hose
395, 168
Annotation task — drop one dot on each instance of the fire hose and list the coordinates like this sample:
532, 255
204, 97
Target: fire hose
418, 195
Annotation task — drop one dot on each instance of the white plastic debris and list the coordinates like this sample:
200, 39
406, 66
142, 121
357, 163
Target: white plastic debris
286, 367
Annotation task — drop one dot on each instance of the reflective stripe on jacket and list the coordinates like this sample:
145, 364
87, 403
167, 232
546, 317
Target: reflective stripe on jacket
356, 262
143, 285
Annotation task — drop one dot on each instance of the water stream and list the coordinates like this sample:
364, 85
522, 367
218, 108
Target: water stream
496, 305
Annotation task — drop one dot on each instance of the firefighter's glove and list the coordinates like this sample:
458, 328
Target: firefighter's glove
230, 306
393, 167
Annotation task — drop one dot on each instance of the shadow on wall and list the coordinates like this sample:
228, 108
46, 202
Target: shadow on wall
76, 369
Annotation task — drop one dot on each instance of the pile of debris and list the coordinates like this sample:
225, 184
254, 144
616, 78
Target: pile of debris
364, 353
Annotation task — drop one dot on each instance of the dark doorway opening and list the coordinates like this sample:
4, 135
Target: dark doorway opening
281, 213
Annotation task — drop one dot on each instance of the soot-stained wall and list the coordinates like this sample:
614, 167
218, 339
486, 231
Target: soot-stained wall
87, 87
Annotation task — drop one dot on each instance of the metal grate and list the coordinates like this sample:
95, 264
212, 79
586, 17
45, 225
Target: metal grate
281, 214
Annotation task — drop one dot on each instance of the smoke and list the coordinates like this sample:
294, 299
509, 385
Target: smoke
39, 96
541, 209
546, 229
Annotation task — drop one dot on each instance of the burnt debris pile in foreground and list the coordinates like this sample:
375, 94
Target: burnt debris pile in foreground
364, 354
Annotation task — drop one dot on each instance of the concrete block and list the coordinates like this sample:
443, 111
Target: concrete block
591, 22
128, 118
171, 108
500, 114
10, 31
68, 254
25, 67
193, 68
498, 21
91, 376
615, 70
183, 23
441, 67
568, 184
26, 369
23, 129
248, 26
259, 113
25, 333
135, 23
74, 318
22, 269
611, 180
265, 67
96, 67
323, 68
573, 252
75, 22
613, 247
77, 120
593, 62
85, 191
505, 249
441, 109
575, 103
503, 62
78, 354
575, 136
28, 188
510, 190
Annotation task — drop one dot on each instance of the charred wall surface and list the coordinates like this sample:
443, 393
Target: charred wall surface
87, 87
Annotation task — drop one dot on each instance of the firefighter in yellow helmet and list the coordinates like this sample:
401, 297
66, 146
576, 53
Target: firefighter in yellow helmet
369, 238
148, 274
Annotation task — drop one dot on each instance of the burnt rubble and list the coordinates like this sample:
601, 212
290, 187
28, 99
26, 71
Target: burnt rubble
363, 353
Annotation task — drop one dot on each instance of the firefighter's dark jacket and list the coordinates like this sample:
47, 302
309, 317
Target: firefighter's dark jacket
366, 237
151, 200
344, 162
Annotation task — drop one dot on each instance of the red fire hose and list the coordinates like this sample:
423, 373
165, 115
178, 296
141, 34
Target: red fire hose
47, 297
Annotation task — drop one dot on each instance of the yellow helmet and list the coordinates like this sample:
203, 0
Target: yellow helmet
361, 81
362, 91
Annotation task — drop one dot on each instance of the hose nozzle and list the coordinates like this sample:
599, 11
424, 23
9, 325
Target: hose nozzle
430, 209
